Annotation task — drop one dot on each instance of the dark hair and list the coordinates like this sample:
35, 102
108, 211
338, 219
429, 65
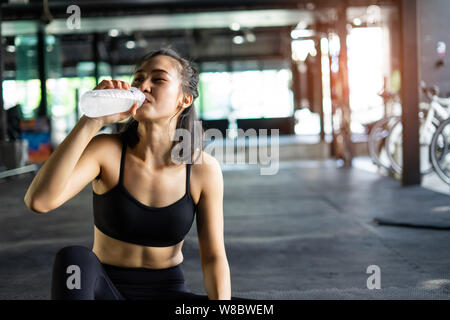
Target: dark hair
189, 78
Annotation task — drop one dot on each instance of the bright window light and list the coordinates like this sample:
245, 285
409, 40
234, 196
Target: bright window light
301, 49
296, 33
366, 69
246, 94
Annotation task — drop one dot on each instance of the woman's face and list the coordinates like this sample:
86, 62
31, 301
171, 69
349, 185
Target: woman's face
159, 79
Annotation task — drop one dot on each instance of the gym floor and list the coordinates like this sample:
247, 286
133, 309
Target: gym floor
306, 232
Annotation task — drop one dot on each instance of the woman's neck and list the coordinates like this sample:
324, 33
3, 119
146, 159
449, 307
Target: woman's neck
155, 144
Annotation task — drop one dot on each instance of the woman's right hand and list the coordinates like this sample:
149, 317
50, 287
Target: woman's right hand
116, 117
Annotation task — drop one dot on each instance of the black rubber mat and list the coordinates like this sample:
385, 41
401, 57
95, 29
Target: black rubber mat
393, 223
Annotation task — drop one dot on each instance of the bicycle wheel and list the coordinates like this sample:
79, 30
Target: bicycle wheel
439, 151
376, 142
394, 147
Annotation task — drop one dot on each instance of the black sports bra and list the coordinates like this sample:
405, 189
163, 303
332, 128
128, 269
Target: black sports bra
119, 215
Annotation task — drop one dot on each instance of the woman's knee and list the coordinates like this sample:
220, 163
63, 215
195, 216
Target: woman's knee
74, 272
74, 254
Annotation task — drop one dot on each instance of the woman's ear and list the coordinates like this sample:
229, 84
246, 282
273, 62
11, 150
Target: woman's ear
187, 100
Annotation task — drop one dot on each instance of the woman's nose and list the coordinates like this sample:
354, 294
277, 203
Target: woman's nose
146, 86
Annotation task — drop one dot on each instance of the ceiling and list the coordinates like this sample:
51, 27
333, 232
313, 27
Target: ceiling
177, 21
196, 28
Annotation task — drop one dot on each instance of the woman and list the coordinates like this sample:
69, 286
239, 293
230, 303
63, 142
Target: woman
144, 200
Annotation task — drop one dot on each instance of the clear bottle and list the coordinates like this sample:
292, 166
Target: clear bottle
103, 102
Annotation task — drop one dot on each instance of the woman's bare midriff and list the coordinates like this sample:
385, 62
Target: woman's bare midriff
124, 254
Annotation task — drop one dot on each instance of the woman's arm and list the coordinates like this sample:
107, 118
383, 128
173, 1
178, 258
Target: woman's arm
54, 175
75, 162
216, 271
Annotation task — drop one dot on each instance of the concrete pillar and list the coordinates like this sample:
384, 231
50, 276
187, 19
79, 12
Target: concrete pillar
410, 92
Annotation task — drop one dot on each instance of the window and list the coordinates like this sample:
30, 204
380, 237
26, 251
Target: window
246, 94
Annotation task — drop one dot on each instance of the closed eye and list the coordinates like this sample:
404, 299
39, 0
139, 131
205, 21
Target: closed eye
157, 79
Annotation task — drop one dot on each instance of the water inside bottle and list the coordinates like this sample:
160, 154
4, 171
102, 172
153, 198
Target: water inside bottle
97, 103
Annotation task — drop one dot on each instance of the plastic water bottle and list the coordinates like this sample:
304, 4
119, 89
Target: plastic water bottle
103, 102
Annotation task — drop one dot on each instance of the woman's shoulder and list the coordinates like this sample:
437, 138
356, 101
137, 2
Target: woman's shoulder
109, 140
202, 159
205, 166
108, 144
